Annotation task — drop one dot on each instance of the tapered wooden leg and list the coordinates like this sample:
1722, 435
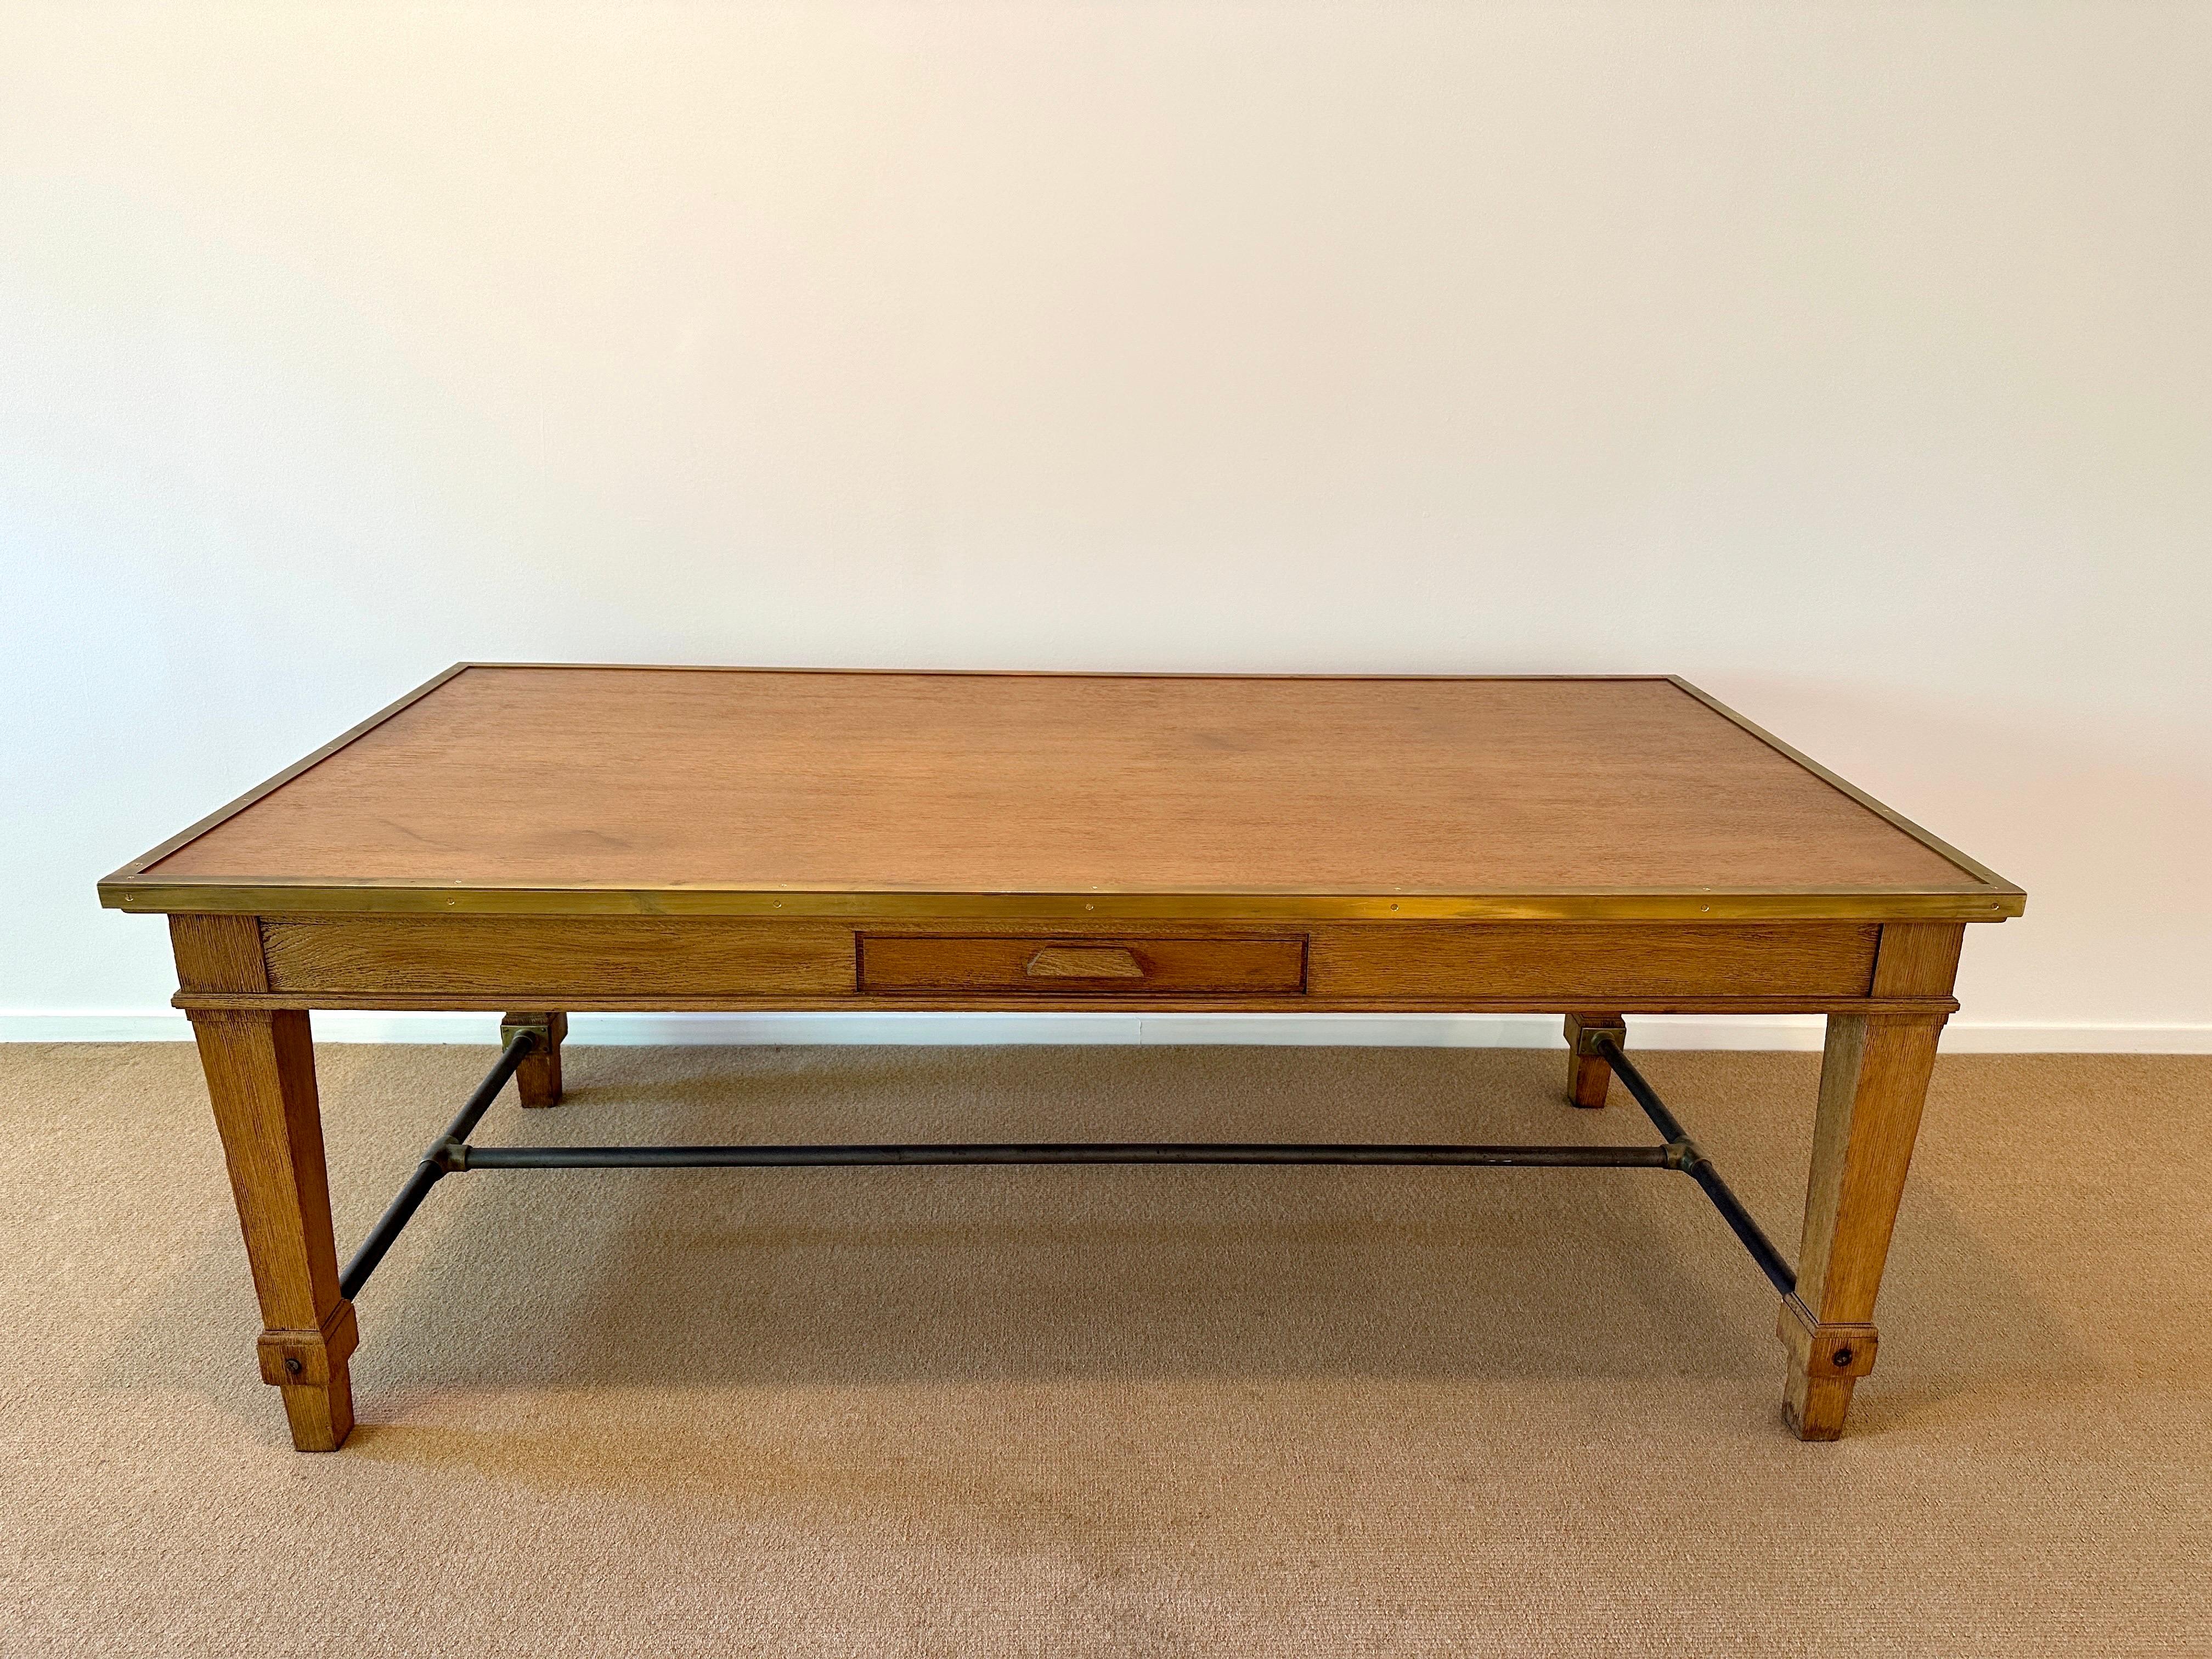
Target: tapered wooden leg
261, 1079
538, 1079
1588, 1075
1873, 1080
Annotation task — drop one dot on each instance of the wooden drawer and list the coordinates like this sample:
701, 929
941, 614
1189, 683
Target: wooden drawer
1591, 964
563, 962
1060, 965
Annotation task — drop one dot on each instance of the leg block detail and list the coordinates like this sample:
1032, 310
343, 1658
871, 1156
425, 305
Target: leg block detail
1826, 1353
291, 1358
1588, 1075
538, 1079
309, 1369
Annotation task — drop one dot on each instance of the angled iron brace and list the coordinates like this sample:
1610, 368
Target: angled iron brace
451, 1152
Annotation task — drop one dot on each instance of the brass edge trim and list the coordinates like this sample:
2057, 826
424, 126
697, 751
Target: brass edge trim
270, 786
1034, 673
271, 899
1935, 843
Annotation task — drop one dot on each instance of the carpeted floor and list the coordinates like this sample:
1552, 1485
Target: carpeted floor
1108, 1411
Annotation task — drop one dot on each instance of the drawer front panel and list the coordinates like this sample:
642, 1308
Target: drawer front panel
1588, 962
572, 958
660, 962
1060, 965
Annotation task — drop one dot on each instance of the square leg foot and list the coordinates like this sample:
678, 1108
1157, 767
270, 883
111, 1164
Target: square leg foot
321, 1415
1814, 1407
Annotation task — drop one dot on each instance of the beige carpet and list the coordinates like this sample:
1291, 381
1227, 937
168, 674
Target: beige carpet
1076, 1412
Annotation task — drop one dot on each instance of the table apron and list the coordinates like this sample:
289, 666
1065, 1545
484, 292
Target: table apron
678, 964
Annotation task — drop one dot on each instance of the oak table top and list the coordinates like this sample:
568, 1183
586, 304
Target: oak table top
581, 790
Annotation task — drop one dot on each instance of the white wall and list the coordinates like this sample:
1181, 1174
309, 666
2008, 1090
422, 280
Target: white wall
1855, 361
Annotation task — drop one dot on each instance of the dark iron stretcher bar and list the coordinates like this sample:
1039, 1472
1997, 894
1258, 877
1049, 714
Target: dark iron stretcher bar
437, 1163
1692, 1162
1046, 1151
451, 1151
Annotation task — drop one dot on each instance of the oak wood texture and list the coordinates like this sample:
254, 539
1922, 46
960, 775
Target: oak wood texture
218, 953
863, 794
567, 961
1918, 959
1874, 1079
538, 1079
1588, 1075
260, 1070
713, 961
1594, 962
1007, 965
1084, 962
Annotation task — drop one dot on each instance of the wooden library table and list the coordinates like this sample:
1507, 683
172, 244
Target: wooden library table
549, 839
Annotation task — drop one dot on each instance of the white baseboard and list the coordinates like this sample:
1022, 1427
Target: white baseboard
1785, 1032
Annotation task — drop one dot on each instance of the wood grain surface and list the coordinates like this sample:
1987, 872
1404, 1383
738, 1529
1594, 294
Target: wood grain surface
261, 1081
1594, 962
599, 962
558, 959
679, 781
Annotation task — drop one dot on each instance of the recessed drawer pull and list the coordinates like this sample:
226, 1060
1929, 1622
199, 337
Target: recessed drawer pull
1080, 967
1071, 961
